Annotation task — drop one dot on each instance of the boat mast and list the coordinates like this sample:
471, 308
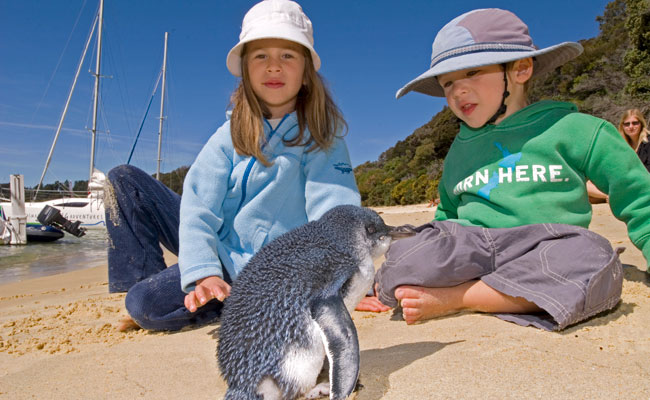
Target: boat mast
96, 101
65, 109
162, 104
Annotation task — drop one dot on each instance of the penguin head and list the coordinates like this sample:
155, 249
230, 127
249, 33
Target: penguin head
366, 228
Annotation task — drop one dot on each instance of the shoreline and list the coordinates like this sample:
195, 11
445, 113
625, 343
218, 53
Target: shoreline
58, 340
19, 263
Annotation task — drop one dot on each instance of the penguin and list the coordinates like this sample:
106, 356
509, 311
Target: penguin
289, 308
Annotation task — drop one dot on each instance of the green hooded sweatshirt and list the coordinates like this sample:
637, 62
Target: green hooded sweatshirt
533, 166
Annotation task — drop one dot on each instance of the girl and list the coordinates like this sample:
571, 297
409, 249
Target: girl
277, 164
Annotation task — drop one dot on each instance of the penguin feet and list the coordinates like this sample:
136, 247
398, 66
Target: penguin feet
320, 390
323, 389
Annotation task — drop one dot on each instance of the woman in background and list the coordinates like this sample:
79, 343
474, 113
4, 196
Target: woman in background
634, 129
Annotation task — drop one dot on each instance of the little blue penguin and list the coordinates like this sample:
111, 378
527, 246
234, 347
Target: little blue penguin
289, 308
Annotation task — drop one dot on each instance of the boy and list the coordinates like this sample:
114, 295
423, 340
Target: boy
508, 236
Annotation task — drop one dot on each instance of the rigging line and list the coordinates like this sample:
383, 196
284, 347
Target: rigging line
165, 148
116, 56
109, 140
116, 64
144, 117
169, 138
58, 63
65, 108
93, 53
108, 57
152, 86
102, 83
102, 114
169, 110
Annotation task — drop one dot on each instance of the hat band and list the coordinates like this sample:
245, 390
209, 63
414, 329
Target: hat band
478, 48
275, 19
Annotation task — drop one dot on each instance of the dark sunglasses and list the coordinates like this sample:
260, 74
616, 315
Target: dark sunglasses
635, 123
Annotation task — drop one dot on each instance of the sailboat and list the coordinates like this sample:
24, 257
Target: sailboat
89, 210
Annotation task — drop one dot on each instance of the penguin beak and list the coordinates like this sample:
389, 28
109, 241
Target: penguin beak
400, 232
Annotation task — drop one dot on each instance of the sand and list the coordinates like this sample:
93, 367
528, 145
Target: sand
58, 340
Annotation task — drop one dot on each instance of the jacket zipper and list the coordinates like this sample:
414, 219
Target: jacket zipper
252, 161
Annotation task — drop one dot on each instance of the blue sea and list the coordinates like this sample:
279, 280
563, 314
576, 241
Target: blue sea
69, 253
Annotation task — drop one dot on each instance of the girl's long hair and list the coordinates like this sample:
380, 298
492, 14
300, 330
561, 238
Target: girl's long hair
643, 133
315, 109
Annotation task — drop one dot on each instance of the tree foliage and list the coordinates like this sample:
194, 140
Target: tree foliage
174, 179
409, 172
600, 81
637, 57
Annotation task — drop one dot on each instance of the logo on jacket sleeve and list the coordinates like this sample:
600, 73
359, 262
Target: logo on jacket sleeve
345, 168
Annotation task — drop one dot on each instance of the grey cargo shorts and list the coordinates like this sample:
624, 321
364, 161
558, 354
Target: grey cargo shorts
568, 271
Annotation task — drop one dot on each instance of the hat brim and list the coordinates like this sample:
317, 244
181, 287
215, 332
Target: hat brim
233, 60
546, 60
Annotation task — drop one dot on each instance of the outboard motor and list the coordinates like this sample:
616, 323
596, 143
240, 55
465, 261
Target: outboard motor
52, 216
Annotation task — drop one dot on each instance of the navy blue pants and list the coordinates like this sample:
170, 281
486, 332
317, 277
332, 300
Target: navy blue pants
142, 214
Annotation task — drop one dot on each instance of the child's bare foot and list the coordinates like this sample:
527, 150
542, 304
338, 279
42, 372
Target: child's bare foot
127, 324
422, 303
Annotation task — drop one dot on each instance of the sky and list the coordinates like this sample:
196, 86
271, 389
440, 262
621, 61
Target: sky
368, 48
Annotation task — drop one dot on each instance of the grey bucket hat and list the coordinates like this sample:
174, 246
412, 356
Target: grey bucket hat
486, 37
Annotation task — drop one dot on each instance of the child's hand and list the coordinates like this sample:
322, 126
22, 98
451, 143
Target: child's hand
207, 289
371, 303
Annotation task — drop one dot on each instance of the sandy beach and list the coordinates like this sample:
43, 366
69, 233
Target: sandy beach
58, 341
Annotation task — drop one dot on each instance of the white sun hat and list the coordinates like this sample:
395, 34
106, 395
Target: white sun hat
273, 19
486, 37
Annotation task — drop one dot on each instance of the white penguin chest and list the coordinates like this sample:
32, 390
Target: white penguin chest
360, 283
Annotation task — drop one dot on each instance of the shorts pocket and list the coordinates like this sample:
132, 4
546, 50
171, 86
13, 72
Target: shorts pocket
605, 287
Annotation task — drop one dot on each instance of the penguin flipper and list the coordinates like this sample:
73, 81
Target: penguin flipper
341, 344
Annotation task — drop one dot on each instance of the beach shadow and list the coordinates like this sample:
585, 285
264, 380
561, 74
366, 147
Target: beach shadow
190, 328
630, 273
378, 364
215, 332
603, 318
397, 314
634, 274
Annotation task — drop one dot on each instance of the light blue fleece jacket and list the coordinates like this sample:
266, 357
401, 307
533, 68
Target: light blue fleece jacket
232, 205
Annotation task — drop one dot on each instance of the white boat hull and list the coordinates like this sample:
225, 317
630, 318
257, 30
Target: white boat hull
90, 211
